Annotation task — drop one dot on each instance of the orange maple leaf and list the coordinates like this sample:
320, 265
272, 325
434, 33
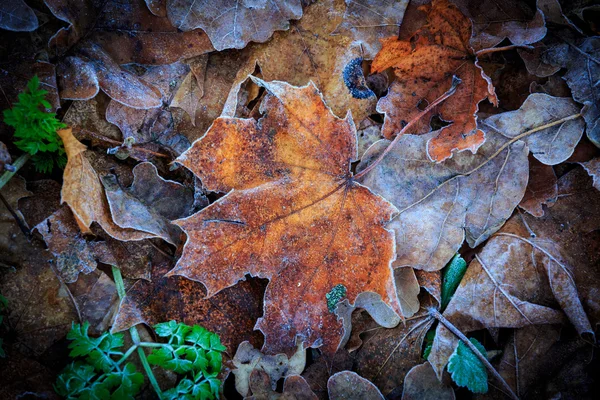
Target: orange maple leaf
293, 215
424, 67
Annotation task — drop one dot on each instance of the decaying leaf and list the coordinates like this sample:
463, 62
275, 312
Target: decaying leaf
421, 383
248, 359
150, 204
520, 270
469, 195
541, 188
348, 385
294, 388
581, 59
425, 67
232, 24
310, 52
294, 216
592, 167
16, 15
551, 145
493, 22
232, 313
84, 194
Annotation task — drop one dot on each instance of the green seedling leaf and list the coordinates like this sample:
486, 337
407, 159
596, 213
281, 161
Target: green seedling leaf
467, 370
452, 275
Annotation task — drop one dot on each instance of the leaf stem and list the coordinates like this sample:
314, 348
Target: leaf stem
455, 82
503, 48
436, 314
135, 336
7, 175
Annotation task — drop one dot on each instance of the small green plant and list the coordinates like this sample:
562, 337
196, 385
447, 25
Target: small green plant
35, 128
100, 370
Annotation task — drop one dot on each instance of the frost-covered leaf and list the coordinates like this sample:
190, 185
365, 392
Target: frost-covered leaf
16, 15
466, 369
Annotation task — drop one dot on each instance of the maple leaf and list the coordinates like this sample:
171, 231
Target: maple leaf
294, 216
425, 67
17, 16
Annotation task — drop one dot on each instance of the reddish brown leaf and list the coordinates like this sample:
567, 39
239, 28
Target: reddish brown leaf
541, 188
424, 67
294, 217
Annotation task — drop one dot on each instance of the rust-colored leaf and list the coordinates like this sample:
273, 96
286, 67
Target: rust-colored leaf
294, 216
541, 188
424, 67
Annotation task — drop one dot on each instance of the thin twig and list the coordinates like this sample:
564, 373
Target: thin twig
436, 314
117, 143
22, 226
503, 48
6, 176
455, 82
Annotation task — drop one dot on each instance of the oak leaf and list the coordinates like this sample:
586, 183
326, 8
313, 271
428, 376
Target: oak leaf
425, 67
293, 215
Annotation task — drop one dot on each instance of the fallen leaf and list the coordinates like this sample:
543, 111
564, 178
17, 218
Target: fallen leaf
534, 62
425, 67
247, 359
421, 383
310, 52
231, 314
541, 188
592, 167
157, 7
469, 195
517, 273
294, 388
493, 22
581, 58
90, 115
368, 133
188, 95
552, 144
350, 385
150, 204
17, 16
231, 24
84, 194
317, 373
294, 211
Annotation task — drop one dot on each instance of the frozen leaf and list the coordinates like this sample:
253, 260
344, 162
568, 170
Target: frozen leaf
231, 314
534, 62
16, 15
294, 388
310, 52
552, 144
67, 244
421, 383
581, 59
368, 133
188, 95
157, 7
150, 204
295, 216
369, 21
440, 203
425, 67
466, 369
408, 291
493, 22
453, 274
541, 188
232, 24
317, 373
520, 270
592, 167
84, 194
348, 385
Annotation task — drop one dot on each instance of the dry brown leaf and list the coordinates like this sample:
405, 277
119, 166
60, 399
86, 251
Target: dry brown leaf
294, 388
150, 204
84, 194
494, 21
541, 188
310, 52
350, 385
425, 67
231, 24
421, 383
469, 195
294, 217
592, 167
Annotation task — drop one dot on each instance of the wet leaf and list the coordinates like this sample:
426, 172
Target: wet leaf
294, 216
348, 384
553, 144
442, 203
16, 15
150, 204
493, 22
231, 24
425, 67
